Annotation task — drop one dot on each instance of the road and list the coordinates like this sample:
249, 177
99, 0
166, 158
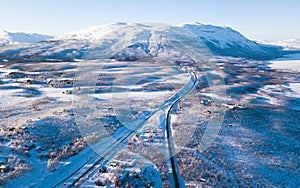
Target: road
174, 177
69, 175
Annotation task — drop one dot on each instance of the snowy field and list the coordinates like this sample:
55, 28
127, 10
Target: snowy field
38, 120
257, 145
291, 63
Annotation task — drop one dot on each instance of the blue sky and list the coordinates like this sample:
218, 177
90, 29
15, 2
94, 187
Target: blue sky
256, 19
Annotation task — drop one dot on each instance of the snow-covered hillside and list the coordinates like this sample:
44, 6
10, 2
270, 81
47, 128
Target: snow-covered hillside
223, 37
220, 41
287, 44
228, 42
92, 33
7, 38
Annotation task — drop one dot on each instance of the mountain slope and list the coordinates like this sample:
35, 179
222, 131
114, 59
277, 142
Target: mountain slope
287, 44
7, 38
92, 33
220, 41
228, 42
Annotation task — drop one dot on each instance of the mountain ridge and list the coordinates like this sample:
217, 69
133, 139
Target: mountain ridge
9, 38
222, 41
287, 44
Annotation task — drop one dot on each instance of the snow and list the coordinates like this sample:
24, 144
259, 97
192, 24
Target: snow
136, 95
220, 40
291, 63
92, 33
8, 38
287, 44
235, 148
296, 88
220, 36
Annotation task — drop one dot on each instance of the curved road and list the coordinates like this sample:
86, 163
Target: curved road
175, 178
64, 177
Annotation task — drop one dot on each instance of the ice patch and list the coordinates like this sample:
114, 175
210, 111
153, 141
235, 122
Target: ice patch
289, 62
293, 65
296, 88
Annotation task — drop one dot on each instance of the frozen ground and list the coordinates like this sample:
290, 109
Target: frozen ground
38, 127
257, 145
291, 63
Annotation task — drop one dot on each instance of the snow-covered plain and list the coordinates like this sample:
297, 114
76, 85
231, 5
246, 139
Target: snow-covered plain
245, 152
49, 108
289, 63
45, 138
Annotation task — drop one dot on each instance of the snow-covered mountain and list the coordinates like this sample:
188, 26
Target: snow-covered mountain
223, 37
75, 45
92, 33
228, 42
287, 44
8, 38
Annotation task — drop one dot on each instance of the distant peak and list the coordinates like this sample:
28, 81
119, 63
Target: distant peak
288, 44
198, 24
292, 40
119, 23
7, 38
195, 23
191, 23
